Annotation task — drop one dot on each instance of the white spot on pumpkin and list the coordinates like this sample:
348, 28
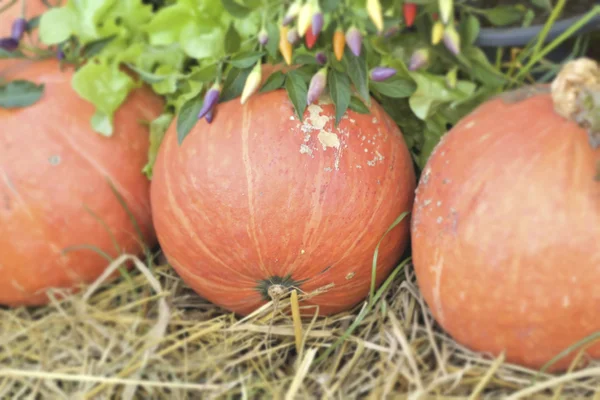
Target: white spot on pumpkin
328, 139
439, 220
438, 268
292, 118
374, 120
378, 157
358, 166
54, 160
566, 302
302, 251
470, 124
427, 202
328, 169
17, 286
366, 150
304, 149
439, 203
350, 275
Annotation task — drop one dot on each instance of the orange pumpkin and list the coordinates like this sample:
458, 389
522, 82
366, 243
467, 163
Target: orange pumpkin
258, 202
506, 226
56, 200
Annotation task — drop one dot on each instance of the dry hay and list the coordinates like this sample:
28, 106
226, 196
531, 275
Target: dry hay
148, 336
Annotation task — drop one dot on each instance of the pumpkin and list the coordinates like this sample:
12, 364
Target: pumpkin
259, 202
60, 184
506, 224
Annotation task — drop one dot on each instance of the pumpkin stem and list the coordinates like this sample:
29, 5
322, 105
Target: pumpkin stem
576, 95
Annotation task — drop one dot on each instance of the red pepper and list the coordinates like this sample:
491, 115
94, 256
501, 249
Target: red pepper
310, 38
410, 12
435, 16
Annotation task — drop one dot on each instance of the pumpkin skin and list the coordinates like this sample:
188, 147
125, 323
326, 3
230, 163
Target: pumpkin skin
54, 176
258, 196
505, 231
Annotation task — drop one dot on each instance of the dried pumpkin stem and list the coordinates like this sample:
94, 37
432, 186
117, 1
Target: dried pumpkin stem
576, 95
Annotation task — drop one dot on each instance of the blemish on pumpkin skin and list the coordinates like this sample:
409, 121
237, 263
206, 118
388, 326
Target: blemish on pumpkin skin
54, 160
350, 276
304, 149
566, 302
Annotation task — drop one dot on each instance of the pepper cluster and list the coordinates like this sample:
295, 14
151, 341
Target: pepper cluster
305, 20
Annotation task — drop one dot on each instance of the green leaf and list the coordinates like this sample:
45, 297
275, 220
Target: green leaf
188, 117
469, 29
305, 59
395, 87
204, 73
57, 24
273, 43
168, 83
329, 5
102, 123
33, 23
95, 47
358, 106
158, 128
105, 86
433, 132
166, 26
356, 67
432, 92
545, 4
339, 90
481, 68
273, 82
297, 90
235, 9
234, 84
503, 15
11, 54
20, 93
147, 76
202, 38
246, 59
232, 40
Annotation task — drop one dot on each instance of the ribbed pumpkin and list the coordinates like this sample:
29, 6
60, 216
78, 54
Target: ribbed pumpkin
259, 202
506, 224
56, 202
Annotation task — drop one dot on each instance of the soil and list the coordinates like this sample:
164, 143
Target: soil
571, 9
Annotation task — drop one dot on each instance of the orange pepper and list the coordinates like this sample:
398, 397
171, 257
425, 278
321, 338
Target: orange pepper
339, 42
285, 47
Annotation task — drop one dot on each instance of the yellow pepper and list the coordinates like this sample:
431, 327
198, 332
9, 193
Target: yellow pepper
375, 13
285, 47
437, 33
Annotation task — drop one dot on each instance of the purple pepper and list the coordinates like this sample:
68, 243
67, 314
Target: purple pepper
9, 44
210, 101
317, 23
354, 40
60, 55
316, 86
379, 74
321, 58
419, 59
292, 36
263, 37
19, 27
210, 116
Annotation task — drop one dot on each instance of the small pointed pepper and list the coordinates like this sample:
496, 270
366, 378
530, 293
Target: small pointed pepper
291, 13
375, 13
410, 12
379, 74
317, 23
9, 44
321, 58
292, 36
211, 98
452, 40
263, 37
316, 86
252, 82
437, 33
339, 42
305, 17
285, 47
310, 38
446, 8
419, 59
19, 27
354, 40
